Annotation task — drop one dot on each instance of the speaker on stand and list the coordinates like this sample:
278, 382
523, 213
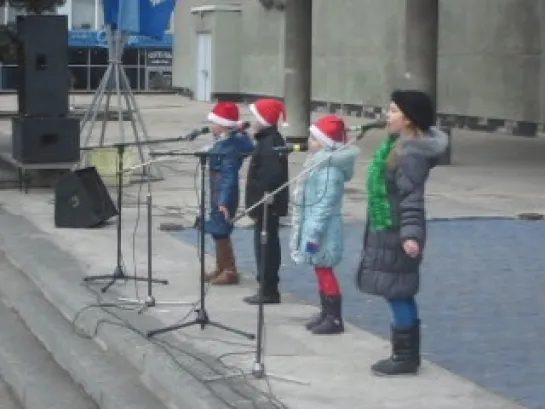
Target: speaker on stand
44, 135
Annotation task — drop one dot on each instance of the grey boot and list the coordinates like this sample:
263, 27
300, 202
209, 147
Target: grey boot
317, 319
405, 359
332, 322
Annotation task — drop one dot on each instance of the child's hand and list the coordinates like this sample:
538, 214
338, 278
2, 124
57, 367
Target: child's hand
224, 210
312, 248
411, 248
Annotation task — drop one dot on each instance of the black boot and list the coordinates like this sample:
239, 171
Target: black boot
405, 359
332, 322
318, 318
267, 298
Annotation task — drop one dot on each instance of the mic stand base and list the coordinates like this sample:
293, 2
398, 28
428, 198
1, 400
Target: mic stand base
258, 367
150, 302
119, 274
202, 320
258, 372
202, 317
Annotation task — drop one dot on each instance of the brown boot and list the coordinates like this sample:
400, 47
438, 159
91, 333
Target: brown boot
229, 273
220, 261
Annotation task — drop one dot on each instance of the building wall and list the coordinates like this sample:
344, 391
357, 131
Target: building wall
490, 65
491, 58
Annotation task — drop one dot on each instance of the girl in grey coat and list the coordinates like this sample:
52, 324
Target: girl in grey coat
317, 235
395, 234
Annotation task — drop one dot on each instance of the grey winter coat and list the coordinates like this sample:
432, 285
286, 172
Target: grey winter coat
384, 268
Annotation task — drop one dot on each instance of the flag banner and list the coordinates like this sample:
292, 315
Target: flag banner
110, 9
143, 17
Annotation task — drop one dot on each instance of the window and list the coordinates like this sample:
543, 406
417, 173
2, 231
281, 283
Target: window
99, 56
96, 76
83, 14
130, 56
80, 78
78, 56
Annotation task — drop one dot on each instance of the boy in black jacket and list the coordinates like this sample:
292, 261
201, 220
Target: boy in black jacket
268, 170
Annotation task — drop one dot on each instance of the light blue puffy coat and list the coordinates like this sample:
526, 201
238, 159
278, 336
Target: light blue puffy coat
318, 207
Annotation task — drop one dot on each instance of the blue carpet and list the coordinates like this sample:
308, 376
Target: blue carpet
482, 298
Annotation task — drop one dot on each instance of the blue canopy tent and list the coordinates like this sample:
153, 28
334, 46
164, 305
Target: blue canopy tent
124, 18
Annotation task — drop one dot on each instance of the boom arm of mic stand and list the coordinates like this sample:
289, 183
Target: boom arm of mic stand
149, 162
268, 196
135, 143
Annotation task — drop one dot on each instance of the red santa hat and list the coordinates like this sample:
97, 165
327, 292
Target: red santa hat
225, 113
330, 130
268, 111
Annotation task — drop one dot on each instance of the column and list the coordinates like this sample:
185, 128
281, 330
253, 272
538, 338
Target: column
421, 35
298, 68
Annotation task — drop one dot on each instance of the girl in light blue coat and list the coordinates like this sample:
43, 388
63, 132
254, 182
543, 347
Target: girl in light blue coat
317, 235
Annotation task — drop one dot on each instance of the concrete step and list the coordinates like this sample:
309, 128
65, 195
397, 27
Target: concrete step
7, 398
34, 376
40, 341
175, 372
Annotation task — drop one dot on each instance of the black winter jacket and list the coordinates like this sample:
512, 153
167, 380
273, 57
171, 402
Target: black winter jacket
268, 170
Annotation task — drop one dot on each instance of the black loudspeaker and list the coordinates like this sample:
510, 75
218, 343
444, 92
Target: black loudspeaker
42, 56
45, 140
82, 200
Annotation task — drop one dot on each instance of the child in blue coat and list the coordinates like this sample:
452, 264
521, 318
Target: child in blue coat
317, 235
231, 144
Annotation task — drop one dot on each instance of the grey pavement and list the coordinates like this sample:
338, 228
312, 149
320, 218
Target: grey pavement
480, 304
492, 176
7, 400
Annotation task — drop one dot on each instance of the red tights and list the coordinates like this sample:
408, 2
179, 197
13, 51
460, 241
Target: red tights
327, 282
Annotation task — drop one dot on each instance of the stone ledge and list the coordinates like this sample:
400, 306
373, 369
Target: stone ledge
57, 275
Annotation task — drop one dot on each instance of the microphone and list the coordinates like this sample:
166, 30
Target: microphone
244, 125
191, 136
381, 123
203, 131
291, 147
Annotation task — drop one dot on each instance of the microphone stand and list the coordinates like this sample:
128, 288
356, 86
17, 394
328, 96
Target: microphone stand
150, 300
119, 270
202, 319
258, 367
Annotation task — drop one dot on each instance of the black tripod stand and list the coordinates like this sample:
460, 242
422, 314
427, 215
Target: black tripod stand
150, 301
258, 367
119, 271
202, 318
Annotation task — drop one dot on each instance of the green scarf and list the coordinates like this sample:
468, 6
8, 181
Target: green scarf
378, 206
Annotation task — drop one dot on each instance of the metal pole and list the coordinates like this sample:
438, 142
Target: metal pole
298, 68
421, 43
